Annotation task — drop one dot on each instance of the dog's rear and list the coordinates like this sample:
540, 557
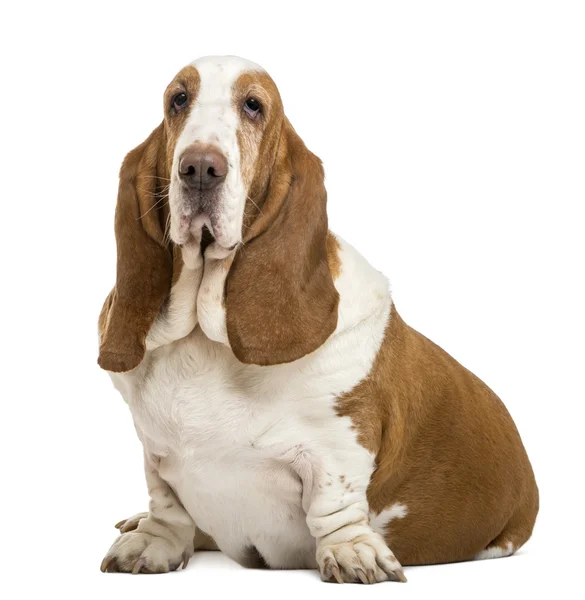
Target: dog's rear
449, 455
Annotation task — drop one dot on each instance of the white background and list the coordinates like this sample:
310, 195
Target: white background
453, 139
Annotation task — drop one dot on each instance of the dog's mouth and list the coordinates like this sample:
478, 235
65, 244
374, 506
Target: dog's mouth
195, 227
207, 241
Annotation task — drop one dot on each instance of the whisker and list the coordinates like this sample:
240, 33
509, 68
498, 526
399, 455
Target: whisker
246, 216
154, 206
254, 203
167, 234
156, 177
163, 191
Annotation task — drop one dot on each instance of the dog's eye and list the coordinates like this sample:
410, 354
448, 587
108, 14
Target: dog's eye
252, 107
179, 101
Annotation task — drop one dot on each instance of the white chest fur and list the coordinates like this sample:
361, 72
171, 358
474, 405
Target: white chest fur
243, 445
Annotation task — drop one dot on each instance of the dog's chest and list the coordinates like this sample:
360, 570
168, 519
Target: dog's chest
226, 433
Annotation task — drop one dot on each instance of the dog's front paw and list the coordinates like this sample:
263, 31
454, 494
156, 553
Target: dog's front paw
366, 559
137, 552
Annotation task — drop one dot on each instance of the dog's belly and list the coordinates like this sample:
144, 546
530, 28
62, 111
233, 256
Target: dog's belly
250, 505
224, 431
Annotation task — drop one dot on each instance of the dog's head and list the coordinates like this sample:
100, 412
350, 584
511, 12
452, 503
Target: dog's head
224, 172
225, 118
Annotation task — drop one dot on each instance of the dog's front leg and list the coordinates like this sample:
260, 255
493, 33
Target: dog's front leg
158, 541
335, 481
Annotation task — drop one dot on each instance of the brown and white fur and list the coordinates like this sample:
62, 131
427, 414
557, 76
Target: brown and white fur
289, 417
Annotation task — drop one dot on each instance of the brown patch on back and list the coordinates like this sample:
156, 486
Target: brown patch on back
445, 447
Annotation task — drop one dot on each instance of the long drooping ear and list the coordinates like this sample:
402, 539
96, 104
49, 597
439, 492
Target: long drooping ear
280, 299
144, 260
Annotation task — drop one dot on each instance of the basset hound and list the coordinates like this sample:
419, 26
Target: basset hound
289, 416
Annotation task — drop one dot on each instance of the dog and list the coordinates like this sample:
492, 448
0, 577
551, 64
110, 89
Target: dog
289, 417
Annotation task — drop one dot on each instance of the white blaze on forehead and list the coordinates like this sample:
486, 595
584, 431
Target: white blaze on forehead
214, 119
227, 63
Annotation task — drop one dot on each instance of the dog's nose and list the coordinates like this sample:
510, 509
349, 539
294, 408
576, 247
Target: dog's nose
202, 166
